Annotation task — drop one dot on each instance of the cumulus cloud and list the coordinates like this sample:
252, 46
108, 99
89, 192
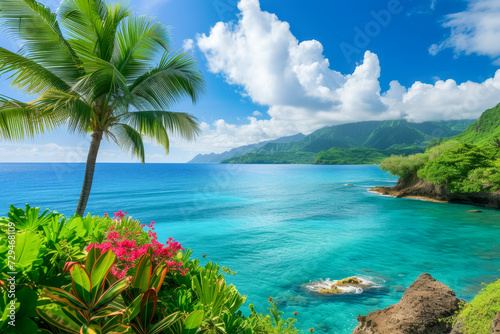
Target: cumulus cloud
474, 30
188, 45
303, 92
257, 113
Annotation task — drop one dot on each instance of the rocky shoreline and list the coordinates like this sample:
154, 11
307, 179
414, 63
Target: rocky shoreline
427, 307
424, 190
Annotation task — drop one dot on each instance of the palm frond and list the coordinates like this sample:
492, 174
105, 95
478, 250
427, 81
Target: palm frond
36, 27
139, 40
27, 75
92, 25
103, 79
19, 120
176, 77
70, 107
129, 140
158, 125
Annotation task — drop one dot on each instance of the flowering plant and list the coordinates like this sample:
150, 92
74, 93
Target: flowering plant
122, 238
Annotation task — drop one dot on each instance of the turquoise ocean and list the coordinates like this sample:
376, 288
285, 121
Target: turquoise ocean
282, 226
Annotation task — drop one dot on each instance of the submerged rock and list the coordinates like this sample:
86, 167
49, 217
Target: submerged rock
420, 310
354, 285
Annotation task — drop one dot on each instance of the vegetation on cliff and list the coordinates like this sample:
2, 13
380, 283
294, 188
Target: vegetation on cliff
477, 315
469, 163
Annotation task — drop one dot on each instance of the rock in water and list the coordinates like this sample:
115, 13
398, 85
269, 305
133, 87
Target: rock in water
419, 311
495, 325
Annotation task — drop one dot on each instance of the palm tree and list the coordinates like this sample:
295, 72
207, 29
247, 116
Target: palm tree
92, 67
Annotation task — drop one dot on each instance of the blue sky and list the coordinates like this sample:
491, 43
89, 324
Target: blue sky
275, 68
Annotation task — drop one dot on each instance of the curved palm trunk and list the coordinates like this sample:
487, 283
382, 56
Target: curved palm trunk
89, 172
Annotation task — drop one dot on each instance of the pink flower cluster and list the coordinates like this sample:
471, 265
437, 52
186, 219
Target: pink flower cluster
127, 252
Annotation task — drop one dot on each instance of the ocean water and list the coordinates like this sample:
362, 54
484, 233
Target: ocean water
282, 226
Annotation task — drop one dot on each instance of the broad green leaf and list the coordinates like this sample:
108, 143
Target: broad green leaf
193, 322
142, 277
54, 315
164, 324
148, 308
111, 293
63, 297
133, 309
107, 312
28, 249
92, 256
82, 286
158, 277
92, 329
99, 271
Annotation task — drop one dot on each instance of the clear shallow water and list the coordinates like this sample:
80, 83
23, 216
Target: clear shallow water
280, 226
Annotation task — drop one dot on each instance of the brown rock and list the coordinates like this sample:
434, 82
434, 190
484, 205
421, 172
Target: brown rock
495, 325
332, 291
457, 329
420, 189
419, 311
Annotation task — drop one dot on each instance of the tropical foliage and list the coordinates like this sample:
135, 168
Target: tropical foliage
112, 275
96, 68
479, 313
462, 167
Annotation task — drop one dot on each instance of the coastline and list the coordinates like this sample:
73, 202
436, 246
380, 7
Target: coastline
424, 190
386, 191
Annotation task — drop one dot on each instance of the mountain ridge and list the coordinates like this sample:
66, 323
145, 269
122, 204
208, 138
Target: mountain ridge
376, 139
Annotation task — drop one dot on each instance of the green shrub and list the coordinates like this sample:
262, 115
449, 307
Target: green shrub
405, 167
453, 166
479, 313
273, 323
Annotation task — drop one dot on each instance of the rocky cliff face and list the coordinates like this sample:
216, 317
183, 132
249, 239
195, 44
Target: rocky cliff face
420, 310
495, 325
418, 188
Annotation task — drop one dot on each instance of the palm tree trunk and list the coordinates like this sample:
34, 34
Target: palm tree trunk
89, 172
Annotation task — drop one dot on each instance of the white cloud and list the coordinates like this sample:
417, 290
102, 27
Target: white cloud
257, 113
474, 30
303, 92
188, 45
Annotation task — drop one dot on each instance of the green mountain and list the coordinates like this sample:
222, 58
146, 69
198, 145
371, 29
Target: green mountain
484, 130
354, 143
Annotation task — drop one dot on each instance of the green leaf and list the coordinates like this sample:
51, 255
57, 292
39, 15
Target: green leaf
28, 249
164, 324
133, 309
64, 297
158, 277
82, 285
148, 308
140, 282
92, 329
111, 293
54, 315
93, 254
100, 270
193, 322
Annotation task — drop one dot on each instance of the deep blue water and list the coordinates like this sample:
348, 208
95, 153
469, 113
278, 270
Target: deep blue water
280, 226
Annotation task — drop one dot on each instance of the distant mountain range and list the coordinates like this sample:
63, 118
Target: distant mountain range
214, 158
354, 143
